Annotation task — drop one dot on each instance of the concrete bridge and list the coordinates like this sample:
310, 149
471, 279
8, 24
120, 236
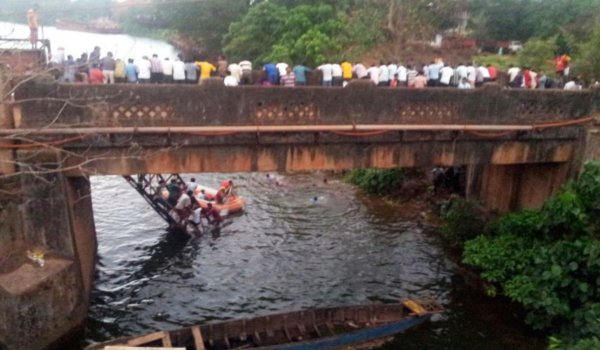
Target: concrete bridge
518, 147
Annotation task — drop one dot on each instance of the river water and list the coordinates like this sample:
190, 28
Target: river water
284, 252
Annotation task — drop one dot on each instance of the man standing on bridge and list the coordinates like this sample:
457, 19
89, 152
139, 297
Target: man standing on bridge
32, 21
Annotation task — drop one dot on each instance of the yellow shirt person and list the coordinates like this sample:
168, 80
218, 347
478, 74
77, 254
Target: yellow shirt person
346, 70
206, 69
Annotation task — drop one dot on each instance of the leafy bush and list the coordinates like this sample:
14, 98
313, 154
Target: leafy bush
548, 260
375, 181
463, 220
499, 258
587, 63
538, 54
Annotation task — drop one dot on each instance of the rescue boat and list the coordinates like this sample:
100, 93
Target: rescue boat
232, 204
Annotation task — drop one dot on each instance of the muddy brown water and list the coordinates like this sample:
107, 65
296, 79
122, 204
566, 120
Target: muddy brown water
285, 252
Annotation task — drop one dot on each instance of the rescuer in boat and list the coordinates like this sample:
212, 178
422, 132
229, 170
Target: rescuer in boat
205, 196
224, 192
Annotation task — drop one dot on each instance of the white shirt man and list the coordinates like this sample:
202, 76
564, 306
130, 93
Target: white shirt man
230, 80
167, 67
144, 68
462, 71
373, 72
282, 68
235, 71
327, 72
178, 70
336, 70
512, 73
471, 75
446, 74
384, 75
392, 70
245, 66
360, 71
402, 74
572, 85
337, 74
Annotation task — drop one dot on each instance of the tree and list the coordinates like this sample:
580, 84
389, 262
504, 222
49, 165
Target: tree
206, 22
256, 33
271, 32
587, 63
524, 19
538, 54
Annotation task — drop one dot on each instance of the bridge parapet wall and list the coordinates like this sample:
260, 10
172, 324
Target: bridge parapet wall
358, 103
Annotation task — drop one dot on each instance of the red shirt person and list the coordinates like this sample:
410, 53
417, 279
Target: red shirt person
96, 76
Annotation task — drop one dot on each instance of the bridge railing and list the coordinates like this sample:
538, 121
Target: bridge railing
91, 106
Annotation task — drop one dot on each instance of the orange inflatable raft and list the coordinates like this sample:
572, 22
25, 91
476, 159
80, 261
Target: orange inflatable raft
233, 203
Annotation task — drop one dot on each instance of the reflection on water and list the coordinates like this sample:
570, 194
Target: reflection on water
285, 252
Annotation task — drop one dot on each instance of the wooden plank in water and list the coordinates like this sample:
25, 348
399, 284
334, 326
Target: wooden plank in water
414, 307
145, 339
198, 341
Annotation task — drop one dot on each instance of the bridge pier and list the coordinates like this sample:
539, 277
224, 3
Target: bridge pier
50, 214
505, 188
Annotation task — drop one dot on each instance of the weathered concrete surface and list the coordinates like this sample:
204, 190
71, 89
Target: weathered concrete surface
51, 214
297, 157
505, 188
22, 61
50, 105
359, 103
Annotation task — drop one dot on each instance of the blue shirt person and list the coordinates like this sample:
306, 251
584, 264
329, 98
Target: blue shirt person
131, 71
300, 73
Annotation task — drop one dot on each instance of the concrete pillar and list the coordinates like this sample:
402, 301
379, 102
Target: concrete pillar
50, 214
505, 188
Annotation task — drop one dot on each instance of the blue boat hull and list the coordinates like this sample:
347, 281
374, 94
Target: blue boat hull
353, 338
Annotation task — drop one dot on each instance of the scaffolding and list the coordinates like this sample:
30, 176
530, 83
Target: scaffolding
148, 186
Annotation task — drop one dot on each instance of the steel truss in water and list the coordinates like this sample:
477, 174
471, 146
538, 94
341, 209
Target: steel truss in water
147, 185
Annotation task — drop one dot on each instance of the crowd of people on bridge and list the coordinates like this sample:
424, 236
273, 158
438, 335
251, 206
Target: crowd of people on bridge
95, 68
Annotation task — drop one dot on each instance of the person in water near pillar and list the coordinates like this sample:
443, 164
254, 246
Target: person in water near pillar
183, 208
211, 214
173, 189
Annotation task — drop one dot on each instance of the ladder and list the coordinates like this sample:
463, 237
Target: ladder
147, 185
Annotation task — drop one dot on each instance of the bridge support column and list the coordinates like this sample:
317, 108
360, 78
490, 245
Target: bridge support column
50, 214
505, 188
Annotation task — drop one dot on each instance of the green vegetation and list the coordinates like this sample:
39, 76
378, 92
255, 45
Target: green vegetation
525, 19
548, 260
309, 34
502, 62
538, 54
463, 220
377, 182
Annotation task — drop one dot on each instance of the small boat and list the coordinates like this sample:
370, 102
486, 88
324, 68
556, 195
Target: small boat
233, 203
100, 26
315, 329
